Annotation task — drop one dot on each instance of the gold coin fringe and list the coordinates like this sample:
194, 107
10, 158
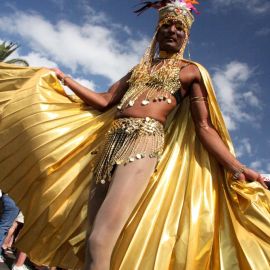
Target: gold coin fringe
157, 85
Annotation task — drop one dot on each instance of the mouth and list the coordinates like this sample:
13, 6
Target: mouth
169, 39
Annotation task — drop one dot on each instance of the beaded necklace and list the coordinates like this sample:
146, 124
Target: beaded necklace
158, 82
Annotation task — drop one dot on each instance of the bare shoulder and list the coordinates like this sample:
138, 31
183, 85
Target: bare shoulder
193, 70
189, 73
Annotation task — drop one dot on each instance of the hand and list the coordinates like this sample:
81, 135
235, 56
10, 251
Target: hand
251, 175
60, 75
262, 180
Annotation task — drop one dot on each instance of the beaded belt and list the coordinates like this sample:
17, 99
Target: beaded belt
128, 140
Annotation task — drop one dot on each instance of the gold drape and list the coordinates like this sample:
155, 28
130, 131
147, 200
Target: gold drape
191, 216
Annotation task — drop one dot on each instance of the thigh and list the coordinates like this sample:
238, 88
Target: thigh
127, 186
97, 195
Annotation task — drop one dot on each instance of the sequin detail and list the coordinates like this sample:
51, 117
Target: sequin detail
159, 84
128, 140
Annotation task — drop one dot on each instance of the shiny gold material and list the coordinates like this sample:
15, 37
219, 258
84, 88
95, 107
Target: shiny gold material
159, 84
198, 99
193, 215
129, 139
164, 55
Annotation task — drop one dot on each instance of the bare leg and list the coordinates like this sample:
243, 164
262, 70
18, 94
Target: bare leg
127, 186
97, 195
21, 257
10, 236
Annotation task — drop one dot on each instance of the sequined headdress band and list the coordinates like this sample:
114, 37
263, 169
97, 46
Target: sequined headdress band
172, 10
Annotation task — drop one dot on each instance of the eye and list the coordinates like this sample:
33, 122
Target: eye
179, 26
166, 25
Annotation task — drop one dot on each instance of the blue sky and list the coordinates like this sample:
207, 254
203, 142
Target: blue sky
99, 41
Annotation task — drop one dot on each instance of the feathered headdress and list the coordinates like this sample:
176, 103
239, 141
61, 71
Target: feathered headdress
177, 10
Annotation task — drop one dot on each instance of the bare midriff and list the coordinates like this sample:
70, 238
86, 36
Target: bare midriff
158, 110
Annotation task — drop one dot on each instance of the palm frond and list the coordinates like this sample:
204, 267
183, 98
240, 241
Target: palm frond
6, 49
17, 61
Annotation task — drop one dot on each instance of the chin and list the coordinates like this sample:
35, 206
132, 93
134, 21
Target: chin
170, 49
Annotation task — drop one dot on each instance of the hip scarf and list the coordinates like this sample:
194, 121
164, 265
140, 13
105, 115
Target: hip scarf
127, 140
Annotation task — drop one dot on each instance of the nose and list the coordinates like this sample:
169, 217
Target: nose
172, 28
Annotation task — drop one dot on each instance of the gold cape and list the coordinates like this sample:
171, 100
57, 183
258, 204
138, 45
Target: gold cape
192, 216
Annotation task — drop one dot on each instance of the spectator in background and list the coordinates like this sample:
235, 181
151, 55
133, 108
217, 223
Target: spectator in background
9, 213
12, 233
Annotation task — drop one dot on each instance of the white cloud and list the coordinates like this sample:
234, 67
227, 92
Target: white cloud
97, 18
251, 99
262, 166
253, 6
237, 101
265, 31
91, 15
243, 148
36, 60
92, 47
256, 165
86, 83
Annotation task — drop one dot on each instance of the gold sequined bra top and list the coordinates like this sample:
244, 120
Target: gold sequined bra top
157, 83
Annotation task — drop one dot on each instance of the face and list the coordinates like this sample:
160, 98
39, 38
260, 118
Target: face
170, 37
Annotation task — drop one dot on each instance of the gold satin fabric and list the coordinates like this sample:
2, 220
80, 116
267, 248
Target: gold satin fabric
192, 216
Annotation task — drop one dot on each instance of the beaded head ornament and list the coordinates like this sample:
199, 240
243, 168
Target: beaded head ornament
170, 10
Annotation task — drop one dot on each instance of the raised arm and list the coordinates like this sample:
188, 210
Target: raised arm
99, 101
208, 134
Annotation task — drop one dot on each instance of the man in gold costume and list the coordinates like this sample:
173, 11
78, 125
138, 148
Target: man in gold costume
166, 190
